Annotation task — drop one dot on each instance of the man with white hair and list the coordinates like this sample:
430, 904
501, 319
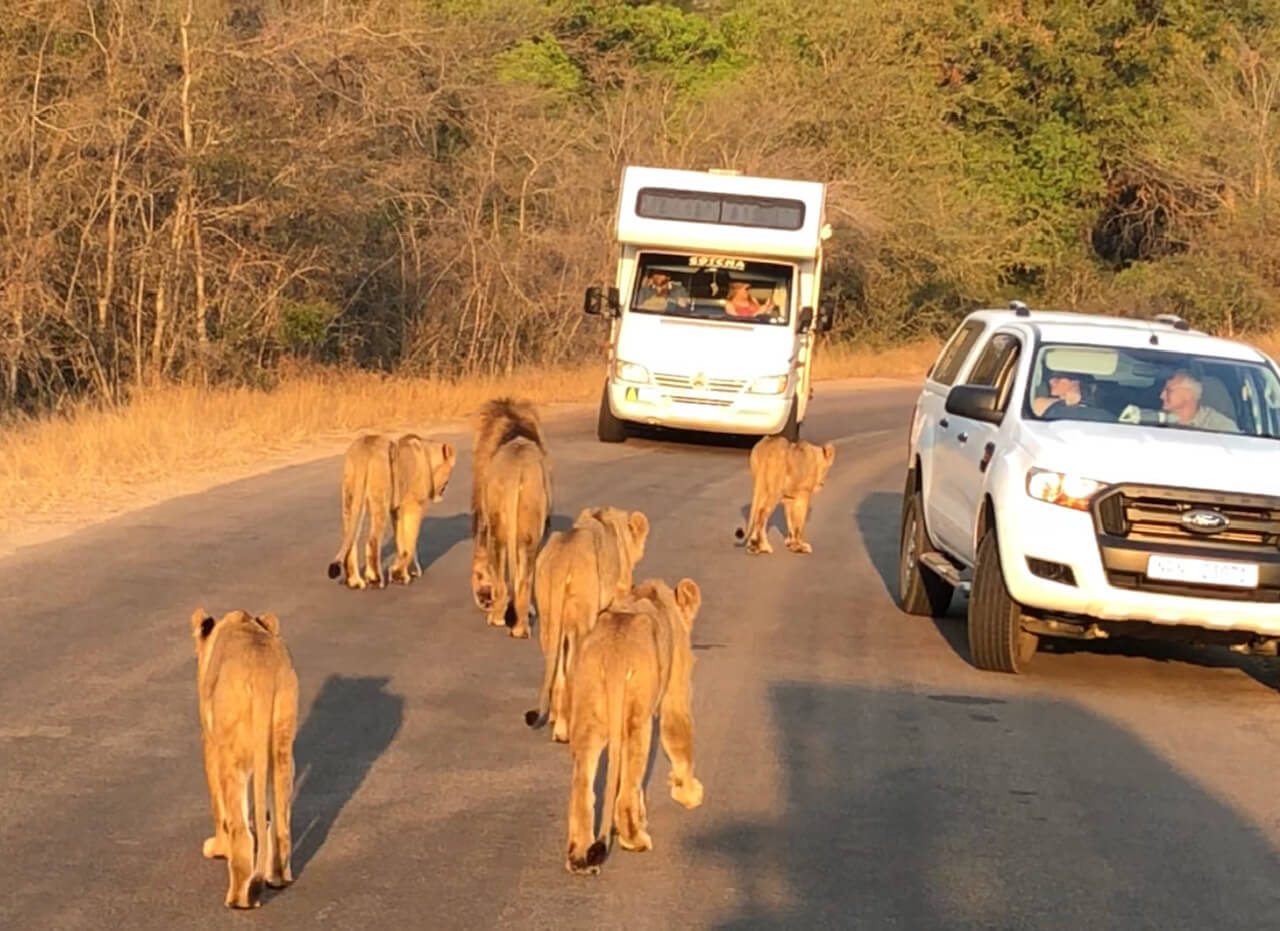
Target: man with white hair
1181, 398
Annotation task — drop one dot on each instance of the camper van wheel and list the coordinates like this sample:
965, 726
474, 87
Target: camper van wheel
609, 429
791, 429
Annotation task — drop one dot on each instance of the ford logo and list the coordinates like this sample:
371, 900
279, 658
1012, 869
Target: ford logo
1203, 520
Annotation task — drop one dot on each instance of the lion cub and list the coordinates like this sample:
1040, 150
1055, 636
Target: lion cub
248, 700
636, 663
394, 482
793, 472
577, 575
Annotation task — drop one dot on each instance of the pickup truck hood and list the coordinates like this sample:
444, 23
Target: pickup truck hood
1155, 455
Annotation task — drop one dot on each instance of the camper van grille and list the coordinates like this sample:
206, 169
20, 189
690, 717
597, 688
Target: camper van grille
703, 402
729, 385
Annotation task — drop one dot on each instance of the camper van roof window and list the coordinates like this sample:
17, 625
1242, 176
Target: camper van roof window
711, 207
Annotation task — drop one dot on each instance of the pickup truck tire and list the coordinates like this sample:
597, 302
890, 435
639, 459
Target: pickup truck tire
997, 642
609, 429
921, 591
791, 429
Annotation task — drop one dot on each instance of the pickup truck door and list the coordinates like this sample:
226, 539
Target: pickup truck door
970, 445
935, 432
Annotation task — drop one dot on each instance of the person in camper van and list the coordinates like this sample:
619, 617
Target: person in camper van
740, 303
658, 291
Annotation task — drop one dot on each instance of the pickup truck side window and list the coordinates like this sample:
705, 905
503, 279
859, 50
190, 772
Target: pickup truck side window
996, 365
955, 352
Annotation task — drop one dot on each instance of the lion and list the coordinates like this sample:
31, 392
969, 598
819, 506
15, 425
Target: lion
515, 511
504, 424
420, 473
393, 482
578, 574
247, 692
793, 472
636, 662
499, 421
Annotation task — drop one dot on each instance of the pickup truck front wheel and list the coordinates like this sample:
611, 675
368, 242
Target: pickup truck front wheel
997, 641
921, 591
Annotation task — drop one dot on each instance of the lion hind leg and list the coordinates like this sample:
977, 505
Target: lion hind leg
630, 816
235, 804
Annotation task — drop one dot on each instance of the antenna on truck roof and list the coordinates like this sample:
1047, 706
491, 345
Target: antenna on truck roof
1019, 308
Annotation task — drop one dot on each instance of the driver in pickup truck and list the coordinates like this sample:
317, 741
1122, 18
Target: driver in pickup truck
1070, 398
1181, 398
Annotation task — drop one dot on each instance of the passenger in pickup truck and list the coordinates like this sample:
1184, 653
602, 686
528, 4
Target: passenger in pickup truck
1071, 397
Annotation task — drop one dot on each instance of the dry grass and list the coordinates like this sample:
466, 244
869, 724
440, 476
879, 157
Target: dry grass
174, 432
102, 460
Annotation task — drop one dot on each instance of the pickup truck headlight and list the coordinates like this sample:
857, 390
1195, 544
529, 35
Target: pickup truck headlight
630, 371
769, 384
1069, 491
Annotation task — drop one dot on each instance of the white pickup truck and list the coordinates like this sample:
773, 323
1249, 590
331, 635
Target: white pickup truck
1083, 476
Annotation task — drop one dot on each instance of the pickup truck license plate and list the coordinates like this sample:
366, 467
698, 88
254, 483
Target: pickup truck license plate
1202, 571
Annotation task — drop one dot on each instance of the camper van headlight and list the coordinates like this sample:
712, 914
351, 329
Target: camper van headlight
630, 371
769, 384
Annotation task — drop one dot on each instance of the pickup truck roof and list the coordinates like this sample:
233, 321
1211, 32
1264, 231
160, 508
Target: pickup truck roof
1071, 327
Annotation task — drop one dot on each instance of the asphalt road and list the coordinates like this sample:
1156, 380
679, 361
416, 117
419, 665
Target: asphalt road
858, 771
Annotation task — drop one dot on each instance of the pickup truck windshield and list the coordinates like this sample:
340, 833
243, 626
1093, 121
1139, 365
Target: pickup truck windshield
1153, 387
712, 288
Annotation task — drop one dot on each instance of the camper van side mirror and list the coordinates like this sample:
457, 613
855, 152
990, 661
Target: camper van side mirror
806, 318
826, 316
592, 301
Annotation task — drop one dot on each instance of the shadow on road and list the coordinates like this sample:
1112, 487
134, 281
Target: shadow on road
926, 811
351, 723
777, 521
878, 517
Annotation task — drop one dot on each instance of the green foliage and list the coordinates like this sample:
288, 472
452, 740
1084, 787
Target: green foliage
541, 62
304, 325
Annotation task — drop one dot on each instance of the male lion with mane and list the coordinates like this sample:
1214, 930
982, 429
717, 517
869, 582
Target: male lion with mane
247, 692
793, 472
636, 662
510, 509
578, 574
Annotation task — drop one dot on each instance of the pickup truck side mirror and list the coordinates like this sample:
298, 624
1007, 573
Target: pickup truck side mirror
826, 316
806, 318
594, 301
977, 402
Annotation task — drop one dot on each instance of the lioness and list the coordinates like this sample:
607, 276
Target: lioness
636, 662
515, 511
578, 574
420, 473
248, 702
393, 483
793, 472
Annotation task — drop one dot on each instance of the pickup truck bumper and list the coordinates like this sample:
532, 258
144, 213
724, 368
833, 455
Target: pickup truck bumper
1108, 578
694, 409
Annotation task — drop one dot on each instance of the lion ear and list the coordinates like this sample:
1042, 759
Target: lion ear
449, 452
689, 598
639, 525
829, 451
202, 624
270, 622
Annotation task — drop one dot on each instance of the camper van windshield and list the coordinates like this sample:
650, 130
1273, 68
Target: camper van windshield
712, 288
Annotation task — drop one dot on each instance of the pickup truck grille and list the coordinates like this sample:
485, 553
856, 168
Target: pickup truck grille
1133, 522
731, 385
1155, 514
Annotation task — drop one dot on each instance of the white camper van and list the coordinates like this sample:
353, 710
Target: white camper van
712, 317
